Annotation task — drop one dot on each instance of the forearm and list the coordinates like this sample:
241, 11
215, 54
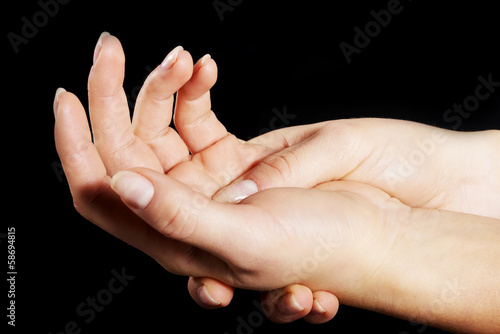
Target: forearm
472, 163
445, 271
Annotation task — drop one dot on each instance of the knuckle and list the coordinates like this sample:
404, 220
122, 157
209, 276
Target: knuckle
250, 272
87, 197
114, 146
182, 222
83, 151
349, 138
77, 155
345, 128
282, 165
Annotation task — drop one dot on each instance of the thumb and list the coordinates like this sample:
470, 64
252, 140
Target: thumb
178, 212
328, 155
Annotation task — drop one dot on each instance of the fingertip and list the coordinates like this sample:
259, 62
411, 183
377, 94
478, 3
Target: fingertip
317, 307
201, 62
182, 65
291, 307
324, 309
207, 63
55, 105
108, 71
98, 45
210, 293
300, 299
106, 46
236, 192
288, 304
185, 59
206, 298
203, 79
171, 58
68, 110
206, 70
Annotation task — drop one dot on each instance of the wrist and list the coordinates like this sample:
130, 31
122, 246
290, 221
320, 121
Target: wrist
477, 172
442, 272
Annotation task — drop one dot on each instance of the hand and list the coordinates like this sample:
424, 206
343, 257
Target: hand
217, 157
292, 137
89, 185
423, 166
273, 238
348, 238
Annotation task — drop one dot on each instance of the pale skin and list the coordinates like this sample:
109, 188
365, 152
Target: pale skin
385, 220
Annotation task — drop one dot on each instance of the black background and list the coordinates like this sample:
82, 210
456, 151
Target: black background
269, 56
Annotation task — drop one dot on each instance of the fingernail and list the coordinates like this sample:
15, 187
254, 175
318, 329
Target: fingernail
98, 46
171, 58
236, 192
202, 61
289, 304
205, 296
134, 189
318, 307
56, 99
